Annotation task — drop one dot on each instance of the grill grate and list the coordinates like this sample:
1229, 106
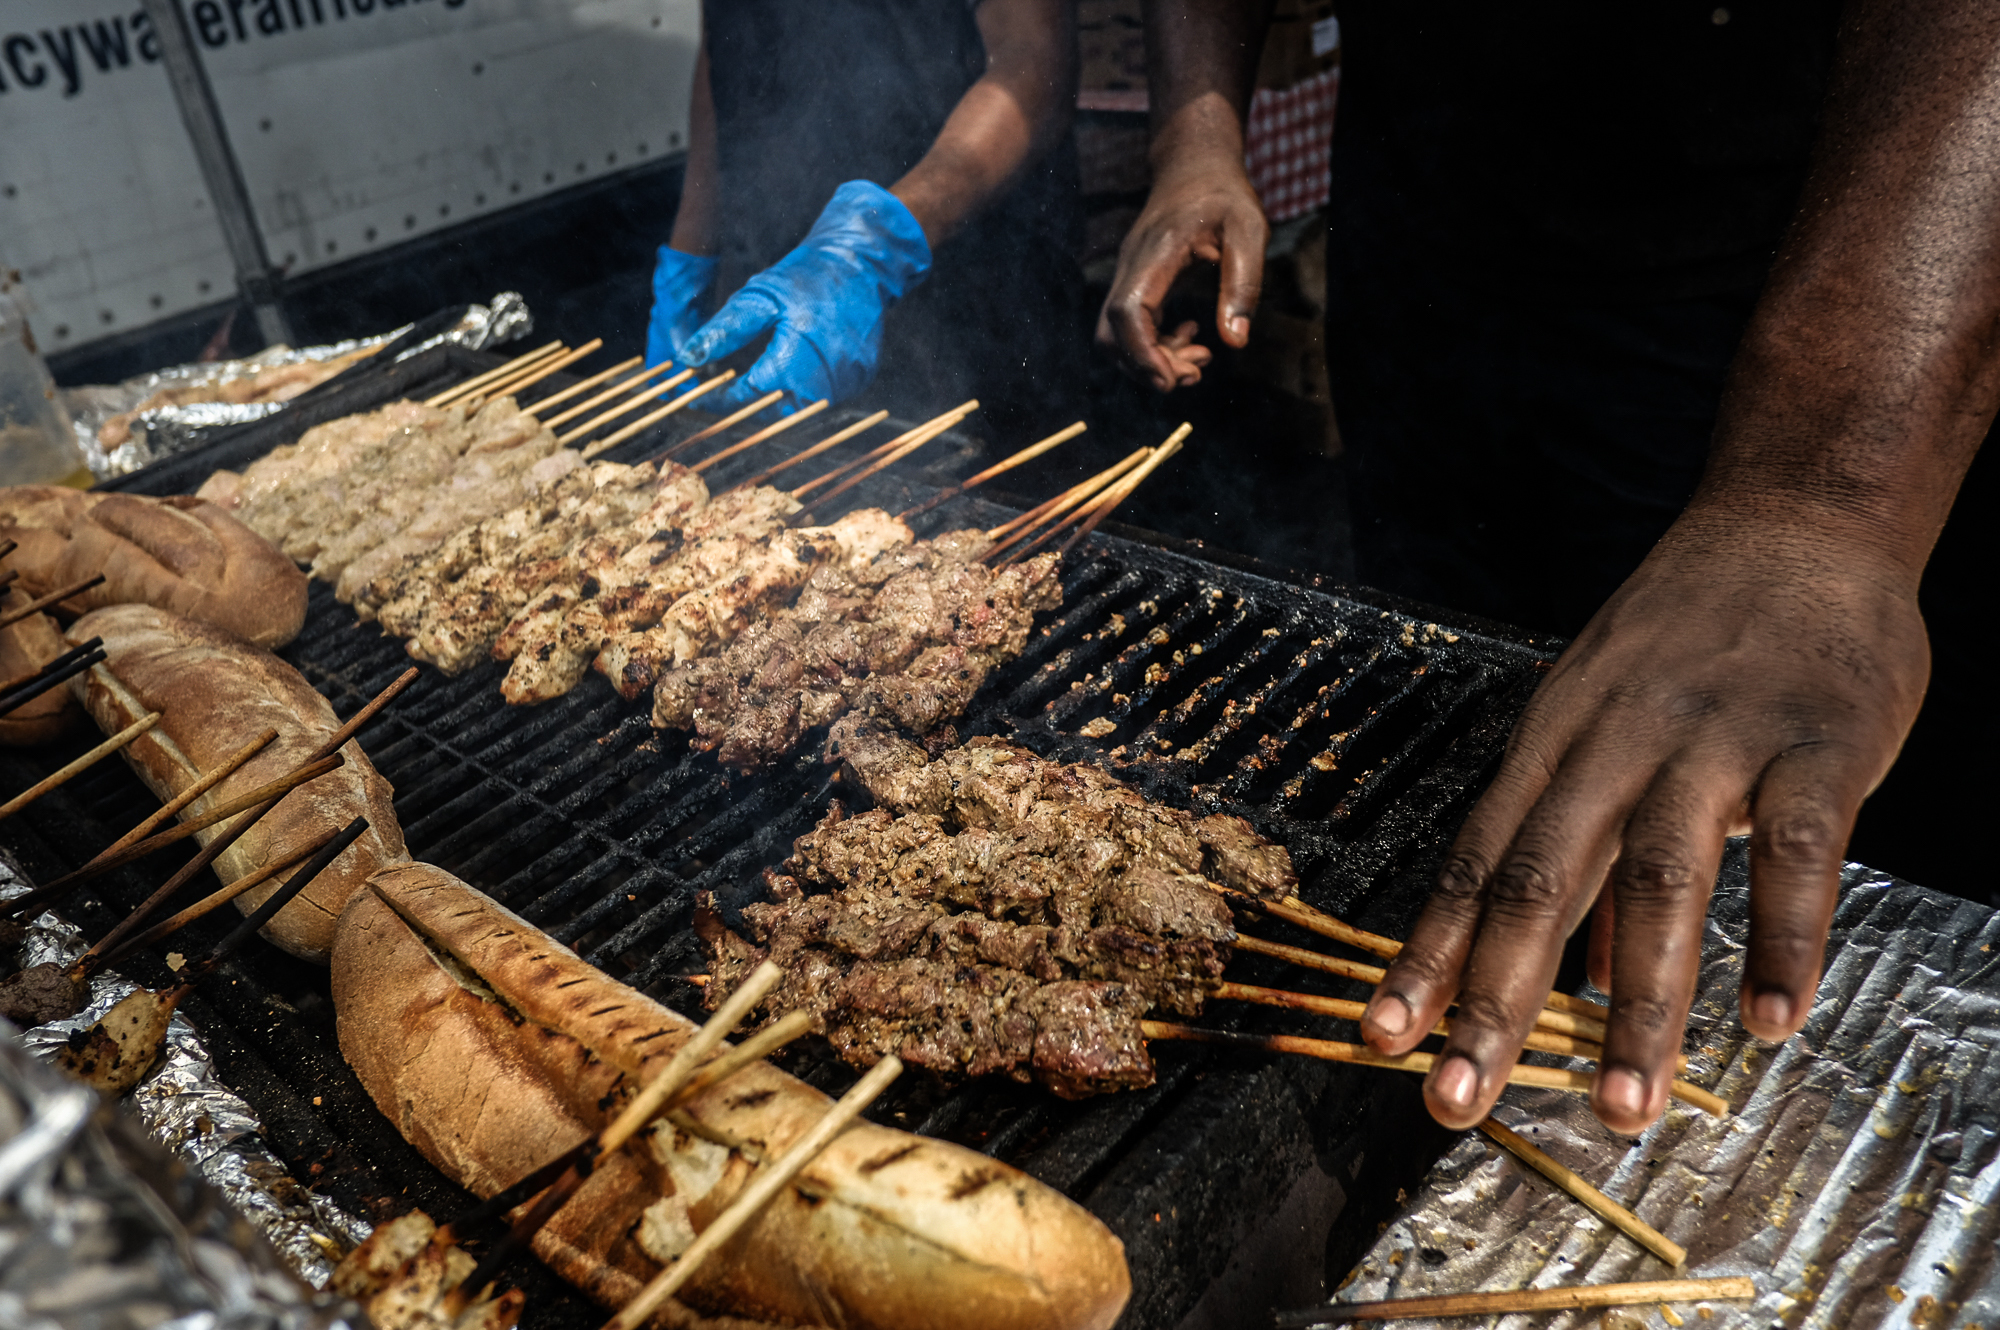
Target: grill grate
1350, 731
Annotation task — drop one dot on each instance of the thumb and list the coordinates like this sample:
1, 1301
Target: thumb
748, 315
1243, 242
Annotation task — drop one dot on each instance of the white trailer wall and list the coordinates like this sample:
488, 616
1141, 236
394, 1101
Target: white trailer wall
359, 124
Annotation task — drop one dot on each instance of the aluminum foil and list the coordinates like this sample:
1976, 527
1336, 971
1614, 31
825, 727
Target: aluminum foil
1855, 1182
169, 429
184, 1106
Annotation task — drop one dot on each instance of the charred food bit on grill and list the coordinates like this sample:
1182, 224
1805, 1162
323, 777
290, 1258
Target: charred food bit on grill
908, 638
998, 913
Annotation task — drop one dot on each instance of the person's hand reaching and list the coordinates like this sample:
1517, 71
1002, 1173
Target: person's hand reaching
1203, 208
821, 305
1757, 672
679, 282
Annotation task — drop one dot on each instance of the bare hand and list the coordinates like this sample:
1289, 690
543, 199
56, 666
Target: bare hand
1757, 672
1205, 209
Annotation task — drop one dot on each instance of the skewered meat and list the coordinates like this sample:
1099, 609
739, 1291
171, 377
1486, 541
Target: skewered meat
909, 639
453, 602
997, 913
396, 480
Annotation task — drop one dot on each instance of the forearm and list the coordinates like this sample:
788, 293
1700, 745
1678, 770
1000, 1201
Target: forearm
694, 222
1201, 69
1868, 374
1016, 112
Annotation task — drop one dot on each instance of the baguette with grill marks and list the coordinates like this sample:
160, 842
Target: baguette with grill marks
494, 1048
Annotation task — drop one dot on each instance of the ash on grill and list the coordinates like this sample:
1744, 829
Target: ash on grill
998, 913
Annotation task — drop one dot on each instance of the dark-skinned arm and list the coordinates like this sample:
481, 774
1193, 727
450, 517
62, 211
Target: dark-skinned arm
1201, 58
1760, 669
694, 222
1017, 110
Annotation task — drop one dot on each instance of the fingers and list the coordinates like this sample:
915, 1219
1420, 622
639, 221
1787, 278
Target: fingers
1424, 979
1130, 320
747, 315
1603, 921
1672, 847
1803, 813
1524, 909
1244, 238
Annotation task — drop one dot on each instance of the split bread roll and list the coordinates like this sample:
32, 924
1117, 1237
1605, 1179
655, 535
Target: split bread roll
24, 648
180, 554
215, 693
494, 1048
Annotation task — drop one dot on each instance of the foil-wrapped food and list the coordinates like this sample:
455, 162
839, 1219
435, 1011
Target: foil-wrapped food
121, 427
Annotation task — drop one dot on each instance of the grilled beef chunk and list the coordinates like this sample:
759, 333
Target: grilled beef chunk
997, 913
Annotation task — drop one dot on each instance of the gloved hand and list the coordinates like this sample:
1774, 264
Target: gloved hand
678, 282
822, 303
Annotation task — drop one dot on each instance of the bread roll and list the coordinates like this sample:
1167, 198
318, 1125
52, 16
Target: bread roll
178, 554
215, 693
24, 648
493, 1048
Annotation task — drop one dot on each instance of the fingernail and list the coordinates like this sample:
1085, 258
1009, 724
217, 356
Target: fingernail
1238, 324
1390, 1014
1622, 1091
1772, 1009
1457, 1081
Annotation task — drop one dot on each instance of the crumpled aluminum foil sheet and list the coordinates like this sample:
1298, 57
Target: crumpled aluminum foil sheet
99, 1231
169, 429
185, 1107
1856, 1182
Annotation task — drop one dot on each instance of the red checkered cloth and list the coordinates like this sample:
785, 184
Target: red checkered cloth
1287, 145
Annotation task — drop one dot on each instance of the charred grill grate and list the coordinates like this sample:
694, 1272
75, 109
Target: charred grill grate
1352, 732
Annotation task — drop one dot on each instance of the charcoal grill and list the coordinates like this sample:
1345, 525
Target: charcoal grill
1353, 728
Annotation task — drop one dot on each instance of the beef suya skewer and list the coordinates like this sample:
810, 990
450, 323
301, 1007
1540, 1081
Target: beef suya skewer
996, 912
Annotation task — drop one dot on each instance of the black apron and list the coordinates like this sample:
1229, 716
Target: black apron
1549, 225
810, 94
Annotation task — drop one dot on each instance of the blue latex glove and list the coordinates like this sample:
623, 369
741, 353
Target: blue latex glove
678, 283
822, 303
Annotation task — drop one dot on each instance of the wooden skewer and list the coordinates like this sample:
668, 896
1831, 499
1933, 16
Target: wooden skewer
1123, 489
1331, 1050
558, 398
798, 417
200, 785
7, 547
952, 416
477, 381
1592, 1199
1730, 1288
230, 834
40, 603
652, 418
620, 388
1562, 1022
641, 1109
536, 372
1295, 911
54, 675
736, 417
206, 905
1069, 498
833, 440
275, 790
268, 908
727, 1063
82, 764
174, 835
1005, 464
632, 403
1542, 1041
1012, 550
919, 438
770, 1179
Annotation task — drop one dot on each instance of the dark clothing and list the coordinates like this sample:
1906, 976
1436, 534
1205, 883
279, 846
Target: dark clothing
810, 94
1548, 228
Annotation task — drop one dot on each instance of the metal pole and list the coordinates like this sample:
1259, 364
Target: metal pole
255, 277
